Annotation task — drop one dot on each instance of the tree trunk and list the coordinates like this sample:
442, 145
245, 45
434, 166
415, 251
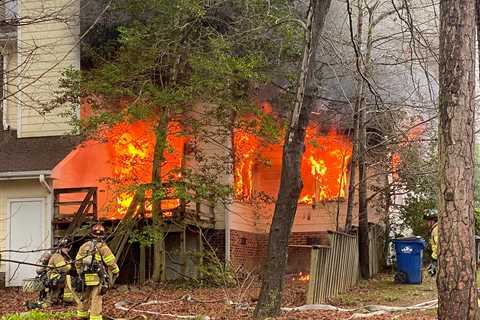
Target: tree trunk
352, 173
291, 182
1, 118
364, 66
2, 96
477, 20
340, 187
142, 266
456, 272
161, 131
362, 198
386, 220
358, 93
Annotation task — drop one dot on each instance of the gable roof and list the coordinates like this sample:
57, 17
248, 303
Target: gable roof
33, 154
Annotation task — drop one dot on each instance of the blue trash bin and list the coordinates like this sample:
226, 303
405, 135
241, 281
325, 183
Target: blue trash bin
409, 252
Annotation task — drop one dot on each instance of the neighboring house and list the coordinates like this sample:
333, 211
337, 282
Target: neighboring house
39, 40
41, 166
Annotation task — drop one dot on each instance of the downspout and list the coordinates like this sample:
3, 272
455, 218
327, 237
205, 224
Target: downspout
44, 182
231, 181
227, 234
49, 217
4, 116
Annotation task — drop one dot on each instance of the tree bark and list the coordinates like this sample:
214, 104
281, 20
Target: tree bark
2, 96
161, 131
352, 173
456, 273
1, 118
291, 184
477, 21
359, 92
363, 247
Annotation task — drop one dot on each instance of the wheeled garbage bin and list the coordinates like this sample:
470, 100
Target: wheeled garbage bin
409, 252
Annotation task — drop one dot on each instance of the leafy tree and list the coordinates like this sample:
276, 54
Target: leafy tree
291, 183
191, 62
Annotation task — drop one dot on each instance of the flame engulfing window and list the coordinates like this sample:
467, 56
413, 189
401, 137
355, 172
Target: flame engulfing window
324, 166
246, 147
131, 147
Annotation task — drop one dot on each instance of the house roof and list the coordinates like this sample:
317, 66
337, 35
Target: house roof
33, 154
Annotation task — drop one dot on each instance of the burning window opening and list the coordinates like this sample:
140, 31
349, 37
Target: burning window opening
246, 145
324, 166
131, 147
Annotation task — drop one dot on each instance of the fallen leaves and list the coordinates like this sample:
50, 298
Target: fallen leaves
217, 303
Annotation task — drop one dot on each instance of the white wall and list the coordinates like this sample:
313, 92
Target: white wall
15, 190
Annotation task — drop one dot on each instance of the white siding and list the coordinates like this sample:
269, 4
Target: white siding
14, 190
46, 49
307, 219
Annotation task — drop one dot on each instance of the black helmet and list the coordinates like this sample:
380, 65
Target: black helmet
430, 214
98, 231
64, 242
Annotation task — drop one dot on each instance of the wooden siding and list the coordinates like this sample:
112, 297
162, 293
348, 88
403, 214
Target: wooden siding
45, 50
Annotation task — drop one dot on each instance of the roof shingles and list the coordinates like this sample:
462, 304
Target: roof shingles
33, 154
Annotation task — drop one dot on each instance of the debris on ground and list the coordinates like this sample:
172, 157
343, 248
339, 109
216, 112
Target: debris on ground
168, 302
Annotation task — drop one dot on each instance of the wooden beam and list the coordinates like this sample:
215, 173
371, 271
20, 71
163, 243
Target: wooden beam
183, 250
142, 267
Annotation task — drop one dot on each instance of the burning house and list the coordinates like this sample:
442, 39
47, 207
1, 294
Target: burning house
322, 203
52, 183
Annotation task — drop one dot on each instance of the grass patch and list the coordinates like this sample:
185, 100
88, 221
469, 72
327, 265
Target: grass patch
38, 315
383, 290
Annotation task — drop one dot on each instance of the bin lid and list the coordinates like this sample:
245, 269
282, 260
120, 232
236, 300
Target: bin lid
413, 238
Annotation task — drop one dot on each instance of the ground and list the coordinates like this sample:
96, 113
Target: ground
211, 302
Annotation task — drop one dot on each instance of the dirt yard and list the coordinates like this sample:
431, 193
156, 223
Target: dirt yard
215, 302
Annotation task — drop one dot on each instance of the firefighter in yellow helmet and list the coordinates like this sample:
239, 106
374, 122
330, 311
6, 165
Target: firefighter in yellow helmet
98, 269
56, 271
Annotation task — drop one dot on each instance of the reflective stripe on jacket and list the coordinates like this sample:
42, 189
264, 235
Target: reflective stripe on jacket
103, 255
434, 241
58, 266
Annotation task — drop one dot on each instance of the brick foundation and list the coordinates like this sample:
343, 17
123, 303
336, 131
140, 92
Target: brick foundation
250, 249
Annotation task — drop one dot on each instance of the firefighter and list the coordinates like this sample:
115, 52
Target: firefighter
54, 277
98, 269
432, 221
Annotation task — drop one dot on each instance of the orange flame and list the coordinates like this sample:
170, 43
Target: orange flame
303, 277
246, 145
412, 134
131, 147
324, 165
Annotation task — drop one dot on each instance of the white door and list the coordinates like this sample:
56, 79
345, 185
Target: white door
26, 233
